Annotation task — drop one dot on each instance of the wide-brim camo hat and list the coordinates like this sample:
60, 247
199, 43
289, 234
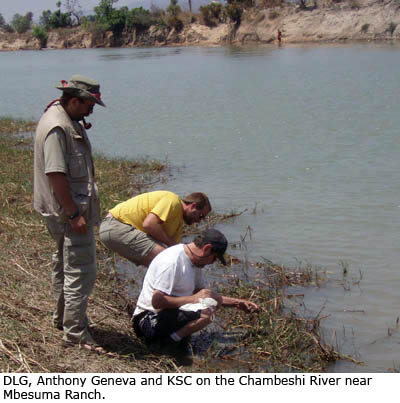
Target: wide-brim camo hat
82, 87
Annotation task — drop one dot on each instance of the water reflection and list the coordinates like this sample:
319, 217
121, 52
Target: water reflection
246, 51
137, 53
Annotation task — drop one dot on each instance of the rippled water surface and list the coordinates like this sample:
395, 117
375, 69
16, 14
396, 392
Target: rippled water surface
305, 138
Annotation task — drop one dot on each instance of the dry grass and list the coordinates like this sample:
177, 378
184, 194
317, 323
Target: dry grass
272, 340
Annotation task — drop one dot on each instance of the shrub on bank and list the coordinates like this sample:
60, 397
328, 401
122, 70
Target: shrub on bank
41, 34
215, 13
212, 13
234, 12
139, 18
22, 23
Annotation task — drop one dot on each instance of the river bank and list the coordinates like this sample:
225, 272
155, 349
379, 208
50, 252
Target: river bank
275, 340
353, 20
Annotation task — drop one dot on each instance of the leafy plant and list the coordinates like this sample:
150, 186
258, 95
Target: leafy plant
139, 18
392, 27
212, 13
364, 28
40, 33
21, 23
234, 12
55, 20
173, 11
2, 21
74, 9
175, 23
108, 18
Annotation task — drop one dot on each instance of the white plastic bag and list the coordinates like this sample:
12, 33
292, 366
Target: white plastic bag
203, 303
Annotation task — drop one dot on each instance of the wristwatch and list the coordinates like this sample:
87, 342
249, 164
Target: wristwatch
76, 214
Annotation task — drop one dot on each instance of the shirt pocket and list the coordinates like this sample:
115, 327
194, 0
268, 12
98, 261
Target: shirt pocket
78, 166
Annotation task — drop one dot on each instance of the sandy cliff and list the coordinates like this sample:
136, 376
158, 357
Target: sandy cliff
355, 20
373, 20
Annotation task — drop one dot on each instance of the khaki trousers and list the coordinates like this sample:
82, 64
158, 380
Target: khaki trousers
73, 277
125, 240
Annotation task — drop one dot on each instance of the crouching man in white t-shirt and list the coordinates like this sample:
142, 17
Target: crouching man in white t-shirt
174, 302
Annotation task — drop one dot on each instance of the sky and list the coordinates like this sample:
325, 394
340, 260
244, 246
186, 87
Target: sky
10, 7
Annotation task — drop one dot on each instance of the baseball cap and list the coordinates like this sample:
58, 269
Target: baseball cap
218, 241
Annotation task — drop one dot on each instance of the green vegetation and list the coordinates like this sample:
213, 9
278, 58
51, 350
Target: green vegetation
234, 11
173, 11
364, 28
212, 13
215, 13
40, 33
57, 19
10, 125
276, 339
107, 17
391, 28
21, 24
74, 9
123, 21
139, 18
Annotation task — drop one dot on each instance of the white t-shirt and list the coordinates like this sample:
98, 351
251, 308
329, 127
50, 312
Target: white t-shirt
171, 272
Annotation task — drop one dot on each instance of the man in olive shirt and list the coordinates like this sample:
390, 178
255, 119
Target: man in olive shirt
143, 226
65, 194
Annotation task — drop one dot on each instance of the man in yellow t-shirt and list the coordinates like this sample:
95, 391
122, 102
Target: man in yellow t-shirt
143, 226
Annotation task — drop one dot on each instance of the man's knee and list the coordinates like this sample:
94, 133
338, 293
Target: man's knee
152, 254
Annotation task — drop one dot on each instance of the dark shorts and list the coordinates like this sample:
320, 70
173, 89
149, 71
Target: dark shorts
156, 326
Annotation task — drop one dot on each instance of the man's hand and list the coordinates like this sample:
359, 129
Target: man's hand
206, 293
60, 186
248, 306
78, 224
242, 304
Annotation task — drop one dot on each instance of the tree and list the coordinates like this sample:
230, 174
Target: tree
44, 19
2, 21
41, 34
302, 4
21, 23
58, 19
105, 9
173, 9
139, 18
172, 20
75, 9
4, 26
108, 18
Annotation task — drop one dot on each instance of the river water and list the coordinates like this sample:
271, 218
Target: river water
306, 138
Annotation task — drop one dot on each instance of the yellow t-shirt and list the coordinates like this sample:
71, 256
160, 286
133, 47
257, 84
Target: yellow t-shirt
166, 205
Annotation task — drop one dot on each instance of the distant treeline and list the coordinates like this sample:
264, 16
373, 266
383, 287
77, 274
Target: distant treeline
107, 17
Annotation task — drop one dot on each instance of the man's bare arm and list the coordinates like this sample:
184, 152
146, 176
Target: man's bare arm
242, 304
161, 300
152, 225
